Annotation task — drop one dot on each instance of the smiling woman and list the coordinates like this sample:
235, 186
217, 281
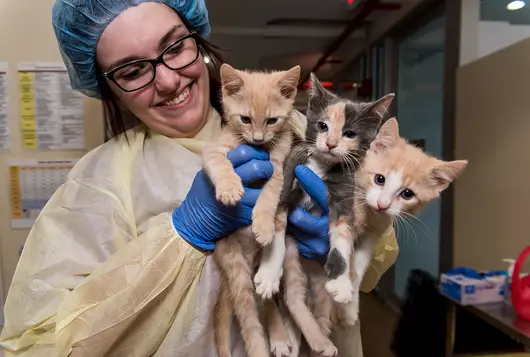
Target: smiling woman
118, 263
177, 104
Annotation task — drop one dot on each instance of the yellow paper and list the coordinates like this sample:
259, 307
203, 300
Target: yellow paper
27, 110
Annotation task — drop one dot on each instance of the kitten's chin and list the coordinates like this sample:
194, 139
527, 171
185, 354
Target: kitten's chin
328, 157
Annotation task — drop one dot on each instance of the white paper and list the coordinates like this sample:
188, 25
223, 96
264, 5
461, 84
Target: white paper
5, 142
32, 183
58, 109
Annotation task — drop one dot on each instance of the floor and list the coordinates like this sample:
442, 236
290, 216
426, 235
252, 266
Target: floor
377, 326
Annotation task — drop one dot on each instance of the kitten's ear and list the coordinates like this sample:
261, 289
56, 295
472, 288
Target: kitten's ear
288, 82
380, 106
318, 95
231, 81
446, 172
386, 137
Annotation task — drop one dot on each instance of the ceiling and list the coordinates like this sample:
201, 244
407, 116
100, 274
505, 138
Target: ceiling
495, 10
279, 34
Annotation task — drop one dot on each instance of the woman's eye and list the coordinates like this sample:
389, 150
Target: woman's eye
379, 179
175, 49
407, 194
272, 121
245, 120
132, 72
349, 134
322, 126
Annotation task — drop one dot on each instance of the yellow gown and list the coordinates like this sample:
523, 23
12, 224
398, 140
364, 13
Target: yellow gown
104, 272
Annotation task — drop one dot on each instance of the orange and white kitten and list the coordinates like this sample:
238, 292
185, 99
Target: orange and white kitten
257, 111
396, 180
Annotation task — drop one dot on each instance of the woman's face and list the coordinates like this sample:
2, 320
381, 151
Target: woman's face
175, 103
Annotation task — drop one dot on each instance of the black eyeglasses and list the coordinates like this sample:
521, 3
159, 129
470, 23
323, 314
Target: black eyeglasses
137, 74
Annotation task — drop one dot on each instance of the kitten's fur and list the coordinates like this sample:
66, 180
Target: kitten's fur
338, 135
257, 111
396, 180
407, 168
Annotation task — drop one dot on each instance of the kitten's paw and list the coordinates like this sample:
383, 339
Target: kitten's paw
230, 192
280, 348
267, 281
341, 289
263, 227
324, 348
349, 313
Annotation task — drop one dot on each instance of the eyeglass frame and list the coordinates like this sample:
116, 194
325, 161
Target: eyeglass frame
154, 62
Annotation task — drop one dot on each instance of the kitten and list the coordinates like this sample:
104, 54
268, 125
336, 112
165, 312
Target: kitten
257, 111
338, 134
396, 180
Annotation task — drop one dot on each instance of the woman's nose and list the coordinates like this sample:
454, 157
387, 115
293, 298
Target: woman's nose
166, 80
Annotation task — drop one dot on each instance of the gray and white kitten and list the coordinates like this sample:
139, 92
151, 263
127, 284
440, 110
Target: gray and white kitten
338, 134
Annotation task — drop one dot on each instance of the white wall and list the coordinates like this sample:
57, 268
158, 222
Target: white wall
479, 38
496, 35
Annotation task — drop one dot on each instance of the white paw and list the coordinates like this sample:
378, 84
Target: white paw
280, 348
349, 313
340, 289
267, 281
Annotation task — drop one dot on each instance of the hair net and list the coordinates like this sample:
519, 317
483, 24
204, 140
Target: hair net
78, 25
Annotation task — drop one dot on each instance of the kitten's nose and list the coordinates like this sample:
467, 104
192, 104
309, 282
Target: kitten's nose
331, 146
381, 206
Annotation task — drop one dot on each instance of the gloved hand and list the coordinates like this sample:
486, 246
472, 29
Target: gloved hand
201, 220
310, 232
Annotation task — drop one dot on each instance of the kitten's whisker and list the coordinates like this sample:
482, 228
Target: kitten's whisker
411, 228
417, 220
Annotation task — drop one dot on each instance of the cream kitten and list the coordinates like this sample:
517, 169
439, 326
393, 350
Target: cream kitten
397, 179
258, 107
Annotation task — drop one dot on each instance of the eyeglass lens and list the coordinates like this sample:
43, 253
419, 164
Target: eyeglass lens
139, 74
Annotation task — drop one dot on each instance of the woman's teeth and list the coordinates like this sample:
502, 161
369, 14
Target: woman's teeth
175, 101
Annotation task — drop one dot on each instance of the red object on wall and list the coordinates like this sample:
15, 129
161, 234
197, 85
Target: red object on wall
325, 84
520, 289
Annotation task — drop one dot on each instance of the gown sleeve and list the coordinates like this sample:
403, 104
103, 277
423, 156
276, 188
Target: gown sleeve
88, 284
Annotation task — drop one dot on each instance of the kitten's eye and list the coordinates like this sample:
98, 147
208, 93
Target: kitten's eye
407, 194
349, 134
322, 126
245, 120
379, 179
272, 121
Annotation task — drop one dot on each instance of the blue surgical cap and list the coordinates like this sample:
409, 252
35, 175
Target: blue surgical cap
78, 25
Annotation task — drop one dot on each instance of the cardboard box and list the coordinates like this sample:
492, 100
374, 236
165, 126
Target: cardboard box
471, 291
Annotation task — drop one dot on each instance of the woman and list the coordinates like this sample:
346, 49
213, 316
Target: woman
117, 263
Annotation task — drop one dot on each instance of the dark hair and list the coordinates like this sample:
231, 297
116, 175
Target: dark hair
118, 119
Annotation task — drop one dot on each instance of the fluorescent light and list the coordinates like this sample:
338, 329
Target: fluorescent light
516, 5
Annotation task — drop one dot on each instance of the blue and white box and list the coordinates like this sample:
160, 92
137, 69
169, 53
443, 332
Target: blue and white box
472, 289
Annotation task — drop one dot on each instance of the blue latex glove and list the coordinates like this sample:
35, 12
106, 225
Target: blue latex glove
310, 232
202, 220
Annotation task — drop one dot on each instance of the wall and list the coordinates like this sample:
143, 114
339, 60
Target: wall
26, 35
492, 126
495, 35
483, 34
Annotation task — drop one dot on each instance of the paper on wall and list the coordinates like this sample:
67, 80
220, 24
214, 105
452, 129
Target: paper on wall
32, 183
51, 111
5, 142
